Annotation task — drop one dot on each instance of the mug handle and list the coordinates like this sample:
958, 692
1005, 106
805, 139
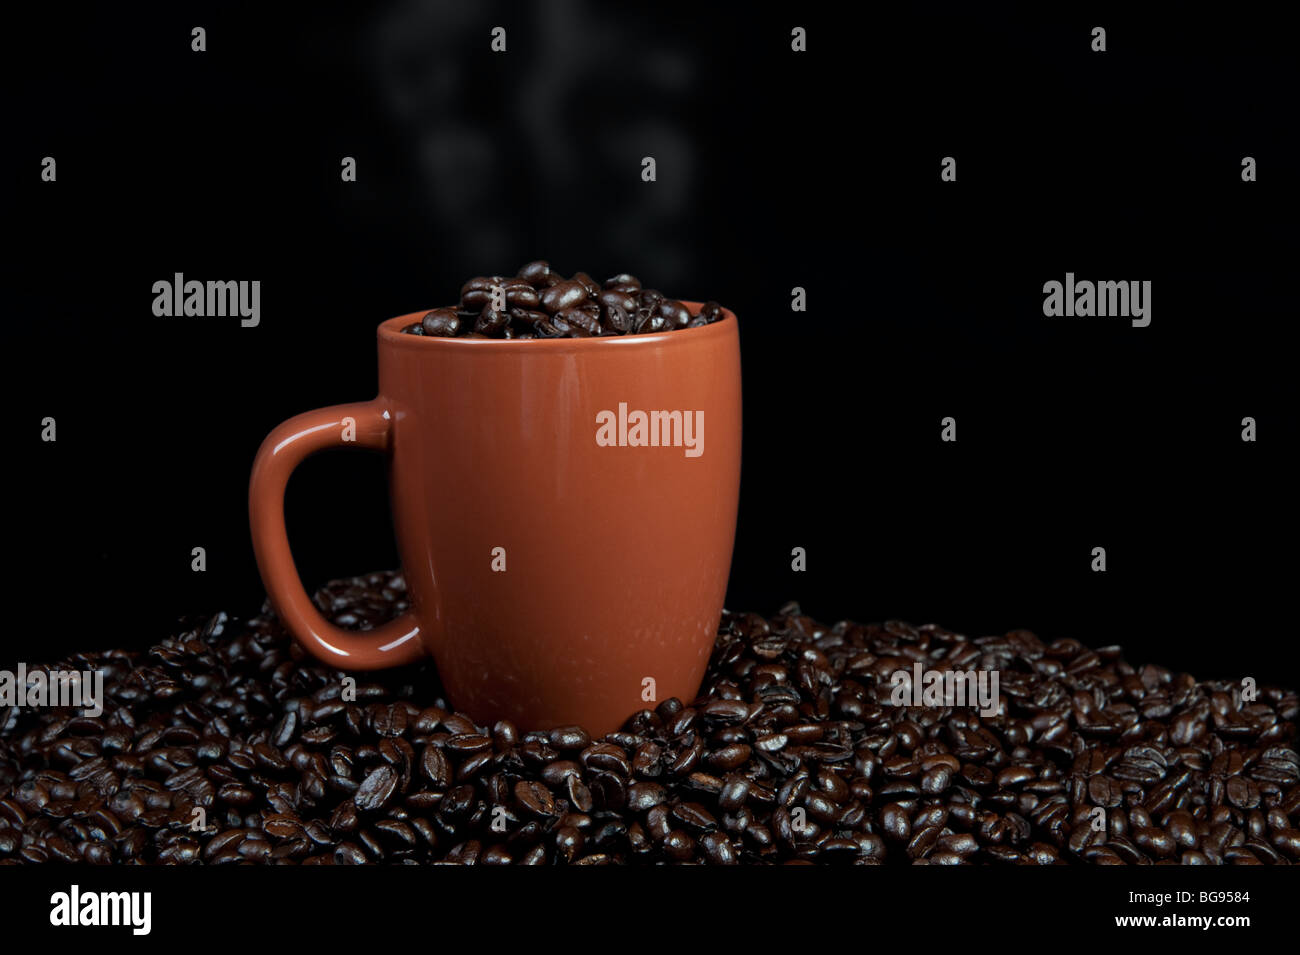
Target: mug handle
366, 424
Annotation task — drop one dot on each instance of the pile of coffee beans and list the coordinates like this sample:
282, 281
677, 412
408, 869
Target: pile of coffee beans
792, 754
541, 303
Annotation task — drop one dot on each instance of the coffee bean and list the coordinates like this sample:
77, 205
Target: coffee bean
349, 853
1103, 791
579, 795
675, 314
1242, 793
936, 780
522, 295
467, 743
647, 760
710, 312
619, 299
491, 322
734, 792
623, 280
718, 849
1155, 841
649, 322
435, 766
473, 765
678, 845
569, 738
730, 756
895, 824
564, 295
535, 272
377, 790
391, 720
270, 758
726, 712
644, 795
608, 791
1015, 776
534, 798
235, 795
694, 816
555, 773
607, 757
441, 323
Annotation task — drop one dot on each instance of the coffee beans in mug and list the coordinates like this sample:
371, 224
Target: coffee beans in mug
538, 302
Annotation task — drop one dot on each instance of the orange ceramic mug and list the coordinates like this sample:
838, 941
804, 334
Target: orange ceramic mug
565, 511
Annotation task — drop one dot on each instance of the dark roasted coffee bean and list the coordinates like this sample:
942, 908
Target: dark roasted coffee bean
235, 795
616, 320
617, 299
391, 720
674, 314
678, 845
565, 327
731, 756
1015, 776
726, 712
936, 780
895, 824
465, 743
441, 323
658, 823
522, 295
735, 790
1104, 791
694, 816
644, 795
579, 795
524, 318
534, 272
435, 766
587, 282
270, 758
473, 765
608, 791
623, 280
569, 738
490, 322
647, 760
650, 298
477, 292
607, 757
377, 790
556, 772
349, 853
718, 849
1242, 793
535, 799
649, 322
564, 295
923, 842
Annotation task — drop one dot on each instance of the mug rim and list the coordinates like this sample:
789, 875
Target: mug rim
390, 331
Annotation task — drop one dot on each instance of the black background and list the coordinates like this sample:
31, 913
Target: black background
775, 169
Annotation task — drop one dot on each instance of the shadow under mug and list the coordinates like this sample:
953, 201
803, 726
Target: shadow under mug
565, 511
